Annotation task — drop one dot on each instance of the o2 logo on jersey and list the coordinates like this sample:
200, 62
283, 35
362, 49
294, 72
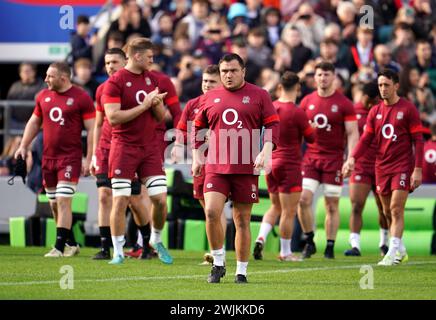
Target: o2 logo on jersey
231, 122
138, 96
55, 115
388, 132
322, 122
430, 156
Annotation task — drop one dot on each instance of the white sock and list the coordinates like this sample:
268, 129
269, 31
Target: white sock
140, 241
402, 247
155, 235
355, 240
384, 237
394, 246
241, 268
285, 247
118, 243
265, 228
218, 257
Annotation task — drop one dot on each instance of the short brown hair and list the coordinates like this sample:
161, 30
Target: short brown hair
325, 66
139, 45
83, 63
212, 69
62, 67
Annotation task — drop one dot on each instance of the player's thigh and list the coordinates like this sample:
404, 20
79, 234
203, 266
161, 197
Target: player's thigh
123, 161
359, 192
331, 204
216, 183
242, 214
289, 202
214, 204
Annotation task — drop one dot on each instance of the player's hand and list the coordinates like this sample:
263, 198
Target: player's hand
416, 178
85, 167
93, 165
348, 167
148, 101
21, 152
312, 124
196, 168
263, 159
159, 99
177, 153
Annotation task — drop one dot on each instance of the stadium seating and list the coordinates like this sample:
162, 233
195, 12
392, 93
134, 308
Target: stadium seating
40, 230
418, 225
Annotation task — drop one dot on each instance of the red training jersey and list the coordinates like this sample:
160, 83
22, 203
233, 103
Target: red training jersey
293, 126
393, 127
106, 129
329, 114
130, 89
62, 117
429, 163
367, 161
235, 119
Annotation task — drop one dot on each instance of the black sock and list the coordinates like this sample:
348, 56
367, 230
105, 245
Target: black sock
71, 240
330, 243
309, 237
145, 232
61, 238
105, 237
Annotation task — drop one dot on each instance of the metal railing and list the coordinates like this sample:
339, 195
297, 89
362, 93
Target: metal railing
6, 110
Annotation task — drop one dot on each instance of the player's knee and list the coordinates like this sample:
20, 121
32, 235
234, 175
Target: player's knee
121, 187
331, 208
159, 202
212, 215
357, 208
396, 211
304, 202
105, 196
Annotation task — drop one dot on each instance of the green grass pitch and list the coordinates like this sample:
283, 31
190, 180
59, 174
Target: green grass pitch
26, 274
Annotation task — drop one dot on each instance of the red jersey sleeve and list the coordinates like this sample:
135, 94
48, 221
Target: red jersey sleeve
37, 111
415, 129
349, 112
111, 92
182, 125
305, 127
171, 99
270, 120
98, 94
87, 109
200, 122
367, 136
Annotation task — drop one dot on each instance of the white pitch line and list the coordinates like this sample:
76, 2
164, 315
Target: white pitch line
30, 283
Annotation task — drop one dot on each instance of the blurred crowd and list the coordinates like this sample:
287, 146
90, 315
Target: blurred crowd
272, 36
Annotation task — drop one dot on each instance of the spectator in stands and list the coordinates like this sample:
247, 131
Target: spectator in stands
189, 80
347, 12
252, 71
34, 162
164, 35
271, 22
383, 59
193, 24
218, 9
83, 76
362, 51
24, 89
311, 26
425, 61
237, 19
212, 42
333, 31
81, 43
258, 51
415, 87
115, 39
7, 160
329, 52
300, 54
403, 44
254, 8
282, 57
182, 46
423, 18
131, 21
